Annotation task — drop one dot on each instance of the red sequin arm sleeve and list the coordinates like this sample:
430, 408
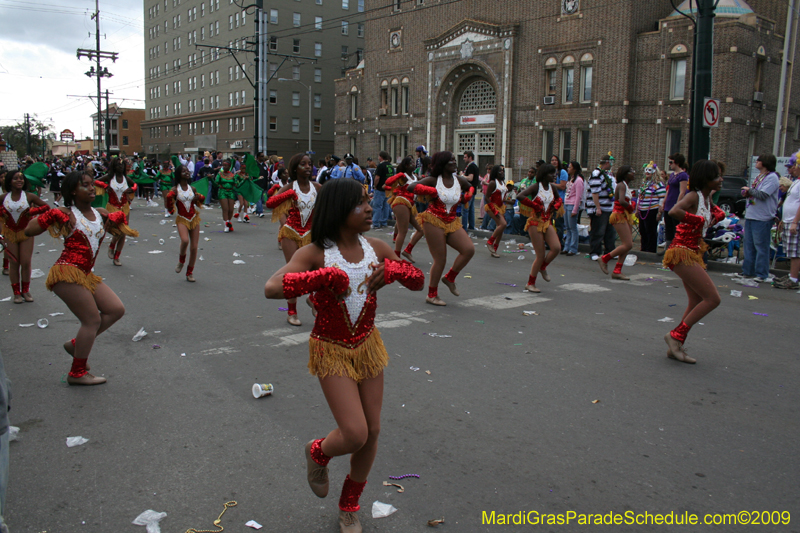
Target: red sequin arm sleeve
717, 213
424, 190
391, 181
692, 220
407, 274
557, 203
468, 196
299, 283
199, 199
170, 198
101, 184
536, 206
38, 210
117, 217
272, 190
278, 199
52, 216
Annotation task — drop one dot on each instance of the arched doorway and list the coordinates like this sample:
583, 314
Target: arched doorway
476, 115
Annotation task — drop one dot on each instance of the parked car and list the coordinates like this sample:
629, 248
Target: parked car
730, 197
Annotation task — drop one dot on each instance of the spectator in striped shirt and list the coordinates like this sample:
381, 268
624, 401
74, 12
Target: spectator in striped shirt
602, 235
651, 207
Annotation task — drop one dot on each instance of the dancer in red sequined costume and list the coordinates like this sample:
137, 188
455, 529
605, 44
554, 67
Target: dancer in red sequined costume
623, 218
402, 202
545, 206
440, 223
120, 189
495, 207
281, 215
696, 212
187, 200
17, 207
296, 200
344, 270
71, 278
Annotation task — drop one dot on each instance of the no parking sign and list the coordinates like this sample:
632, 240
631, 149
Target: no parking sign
710, 113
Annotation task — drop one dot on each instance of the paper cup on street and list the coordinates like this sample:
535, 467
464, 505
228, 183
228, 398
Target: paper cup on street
262, 389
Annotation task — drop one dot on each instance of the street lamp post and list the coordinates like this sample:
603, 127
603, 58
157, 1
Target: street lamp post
309, 109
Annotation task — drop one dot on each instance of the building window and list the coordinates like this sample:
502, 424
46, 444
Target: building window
565, 143
317, 49
568, 78
404, 98
295, 99
273, 97
273, 69
273, 123
125, 124
345, 28
678, 82
586, 84
345, 52
395, 99
547, 144
295, 19
319, 2
673, 142
353, 106
583, 147
296, 72
317, 125
236, 124
317, 23
345, 4
295, 125
124, 140
317, 75
360, 6
352, 145
273, 44
384, 97
318, 101
273, 16
479, 96
550, 82
360, 30
296, 46
230, 22
230, 124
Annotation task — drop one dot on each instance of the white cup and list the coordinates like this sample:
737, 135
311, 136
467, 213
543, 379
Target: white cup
262, 389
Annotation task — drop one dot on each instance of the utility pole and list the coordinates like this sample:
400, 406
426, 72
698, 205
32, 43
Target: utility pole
101, 72
108, 127
779, 124
260, 124
699, 136
28, 133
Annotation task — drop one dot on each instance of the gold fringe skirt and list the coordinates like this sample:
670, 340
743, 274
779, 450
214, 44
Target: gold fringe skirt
537, 223
190, 224
618, 218
14, 236
126, 208
678, 255
365, 361
71, 274
400, 200
282, 209
288, 232
123, 229
497, 210
433, 220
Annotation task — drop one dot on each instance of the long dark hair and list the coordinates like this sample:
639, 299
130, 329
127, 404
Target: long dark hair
70, 183
10, 177
544, 171
335, 201
623, 172
702, 172
495, 173
294, 162
578, 170
116, 167
558, 168
439, 161
406, 166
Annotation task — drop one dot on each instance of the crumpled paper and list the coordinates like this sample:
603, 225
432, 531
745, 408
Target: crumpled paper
76, 441
150, 519
253, 524
382, 510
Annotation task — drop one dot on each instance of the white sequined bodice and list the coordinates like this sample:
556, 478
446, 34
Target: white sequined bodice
15, 209
448, 196
92, 229
546, 196
500, 186
628, 191
119, 188
703, 211
358, 274
305, 201
186, 198
410, 178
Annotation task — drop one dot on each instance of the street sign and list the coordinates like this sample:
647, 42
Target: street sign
710, 113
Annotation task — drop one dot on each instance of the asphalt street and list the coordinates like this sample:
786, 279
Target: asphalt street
575, 408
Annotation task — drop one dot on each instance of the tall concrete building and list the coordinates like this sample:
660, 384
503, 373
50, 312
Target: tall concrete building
574, 78
200, 68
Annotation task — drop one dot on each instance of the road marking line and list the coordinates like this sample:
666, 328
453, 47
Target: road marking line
500, 301
586, 288
219, 351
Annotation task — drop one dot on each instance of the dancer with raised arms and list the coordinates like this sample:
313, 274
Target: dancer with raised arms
405, 212
188, 201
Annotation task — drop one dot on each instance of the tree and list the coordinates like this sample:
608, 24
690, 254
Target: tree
16, 136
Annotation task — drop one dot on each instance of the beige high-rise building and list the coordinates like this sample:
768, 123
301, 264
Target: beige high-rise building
200, 68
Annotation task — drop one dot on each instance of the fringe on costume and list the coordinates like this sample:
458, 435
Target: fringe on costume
401, 200
560, 212
330, 358
433, 220
618, 218
71, 274
282, 209
123, 229
57, 231
678, 255
14, 236
537, 222
126, 208
190, 224
496, 210
525, 210
99, 191
289, 233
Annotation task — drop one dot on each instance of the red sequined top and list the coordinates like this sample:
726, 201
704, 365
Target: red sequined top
301, 212
444, 200
113, 198
23, 219
538, 206
80, 246
398, 184
689, 233
184, 197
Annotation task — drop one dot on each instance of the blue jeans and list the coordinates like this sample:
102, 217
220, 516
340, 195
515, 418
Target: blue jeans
210, 190
756, 248
509, 215
519, 224
571, 235
380, 208
260, 204
468, 215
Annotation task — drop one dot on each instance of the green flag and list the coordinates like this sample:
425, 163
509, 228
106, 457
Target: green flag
251, 165
250, 191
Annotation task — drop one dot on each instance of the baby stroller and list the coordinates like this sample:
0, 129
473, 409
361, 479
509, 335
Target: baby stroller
723, 238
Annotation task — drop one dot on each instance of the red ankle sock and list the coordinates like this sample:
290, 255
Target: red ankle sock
351, 492
396, 251
433, 292
318, 455
293, 308
189, 271
544, 266
618, 268
451, 276
680, 333
5, 263
112, 246
26, 287
15, 288
182, 259
532, 280
490, 241
605, 258
409, 248
116, 256
78, 369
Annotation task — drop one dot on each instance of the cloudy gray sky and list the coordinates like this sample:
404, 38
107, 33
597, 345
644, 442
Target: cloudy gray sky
39, 66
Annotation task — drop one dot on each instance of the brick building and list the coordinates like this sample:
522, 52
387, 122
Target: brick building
124, 129
200, 97
575, 78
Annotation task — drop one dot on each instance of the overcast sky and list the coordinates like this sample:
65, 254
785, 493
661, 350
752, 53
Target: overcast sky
39, 66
